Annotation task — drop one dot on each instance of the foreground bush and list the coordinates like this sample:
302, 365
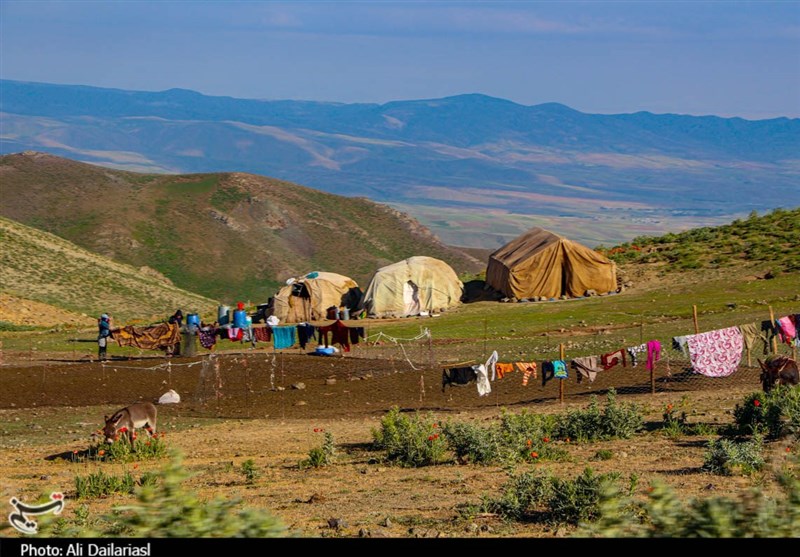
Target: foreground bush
615, 421
775, 414
165, 508
663, 514
414, 441
543, 498
100, 484
143, 447
727, 456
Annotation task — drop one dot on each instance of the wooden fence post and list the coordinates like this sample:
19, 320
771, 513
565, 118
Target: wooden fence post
774, 338
694, 316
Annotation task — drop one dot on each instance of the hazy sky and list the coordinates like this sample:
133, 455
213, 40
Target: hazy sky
725, 58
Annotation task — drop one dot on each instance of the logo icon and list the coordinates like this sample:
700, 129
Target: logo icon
20, 519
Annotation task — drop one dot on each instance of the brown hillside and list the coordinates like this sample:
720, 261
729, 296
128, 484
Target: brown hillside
228, 236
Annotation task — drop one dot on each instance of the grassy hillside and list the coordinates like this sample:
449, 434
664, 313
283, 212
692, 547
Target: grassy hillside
39, 267
772, 239
230, 236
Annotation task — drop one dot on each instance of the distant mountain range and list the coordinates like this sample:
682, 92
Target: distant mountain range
228, 236
477, 170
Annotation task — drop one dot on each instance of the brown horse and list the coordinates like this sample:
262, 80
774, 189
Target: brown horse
780, 370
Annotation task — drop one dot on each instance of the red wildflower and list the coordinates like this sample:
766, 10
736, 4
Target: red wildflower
75, 451
135, 466
529, 442
650, 489
101, 452
316, 430
788, 449
148, 443
567, 439
435, 425
546, 439
435, 435
534, 455
123, 430
431, 438
669, 408
757, 402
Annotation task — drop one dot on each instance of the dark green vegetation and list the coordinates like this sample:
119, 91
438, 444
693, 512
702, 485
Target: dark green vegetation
476, 169
773, 239
227, 236
100, 484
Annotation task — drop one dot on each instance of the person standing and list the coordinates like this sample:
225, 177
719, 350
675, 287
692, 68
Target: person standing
103, 334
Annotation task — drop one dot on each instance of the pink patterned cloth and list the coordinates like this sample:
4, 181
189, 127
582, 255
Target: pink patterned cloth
788, 331
716, 353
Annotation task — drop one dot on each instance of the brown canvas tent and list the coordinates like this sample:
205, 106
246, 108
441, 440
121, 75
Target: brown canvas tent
308, 298
413, 285
540, 263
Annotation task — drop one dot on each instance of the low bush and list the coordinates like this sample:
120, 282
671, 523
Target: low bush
775, 414
250, 471
473, 443
323, 455
122, 450
728, 456
615, 421
410, 441
100, 484
543, 498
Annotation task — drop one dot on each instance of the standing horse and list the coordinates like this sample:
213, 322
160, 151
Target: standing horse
780, 370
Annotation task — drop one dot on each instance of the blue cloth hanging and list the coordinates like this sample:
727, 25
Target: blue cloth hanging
283, 336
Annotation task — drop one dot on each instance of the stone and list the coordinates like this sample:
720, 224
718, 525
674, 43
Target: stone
330, 381
299, 386
522, 300
504, 300
590, 292
301, 403
472, 528
387, 523
627, 284
316, 498
563, 297
364, 533
513, 300
486, 528
337, 523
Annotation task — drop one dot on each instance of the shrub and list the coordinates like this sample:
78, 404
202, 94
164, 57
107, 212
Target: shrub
776, 413
164, 507
615, 421
100, 484
322, 455
603, 454
726, 456
250, 471
543, 498
663, 514
414, 441
142, 448
472, 443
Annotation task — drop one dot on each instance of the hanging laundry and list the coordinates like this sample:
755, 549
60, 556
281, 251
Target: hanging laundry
527, 369
339, 335
548, 372
208, 337
613, 359
158, 337
679, 344
458, 376
716, 353
559, 369
484, 387
235, 333
653, 354
283, 336
491, 363
247, 335
787, 329
503, 369
263, 334
633, 353
305, 332
768, 331
588, 367
356, 333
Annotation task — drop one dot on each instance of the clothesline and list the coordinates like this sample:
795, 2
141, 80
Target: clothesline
425, 333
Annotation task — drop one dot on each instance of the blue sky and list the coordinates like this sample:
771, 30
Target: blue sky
725, 58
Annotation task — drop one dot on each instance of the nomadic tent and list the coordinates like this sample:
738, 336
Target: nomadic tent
413, 285
540, 263
308, 298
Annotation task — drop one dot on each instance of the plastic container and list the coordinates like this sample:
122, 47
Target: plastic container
240, 319
222, 315
325, 351
192, 319
346, 314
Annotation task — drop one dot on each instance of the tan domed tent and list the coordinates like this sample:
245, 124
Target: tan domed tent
411, 286
540, 263
308, 298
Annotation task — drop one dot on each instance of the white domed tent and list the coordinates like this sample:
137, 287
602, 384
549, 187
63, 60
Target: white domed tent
411, 286
308, 298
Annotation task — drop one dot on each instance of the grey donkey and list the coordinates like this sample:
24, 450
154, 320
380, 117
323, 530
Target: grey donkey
127, 419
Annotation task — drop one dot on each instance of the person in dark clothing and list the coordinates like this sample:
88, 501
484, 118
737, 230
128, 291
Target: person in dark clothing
103, 334
176, 319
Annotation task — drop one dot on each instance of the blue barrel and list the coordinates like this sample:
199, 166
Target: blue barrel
193, 319
240, 319
222, 315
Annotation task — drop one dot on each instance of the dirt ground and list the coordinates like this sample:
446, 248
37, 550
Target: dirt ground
50, 408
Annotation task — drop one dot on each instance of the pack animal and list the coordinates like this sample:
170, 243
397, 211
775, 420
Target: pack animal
141, 414
779, 371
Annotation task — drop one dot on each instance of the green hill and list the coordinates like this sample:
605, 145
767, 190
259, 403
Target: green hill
230, 236
772, 240
44, 268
